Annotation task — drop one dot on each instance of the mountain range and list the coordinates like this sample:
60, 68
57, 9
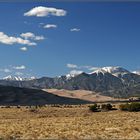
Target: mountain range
108, 81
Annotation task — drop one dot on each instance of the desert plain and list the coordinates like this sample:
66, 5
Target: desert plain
67, 122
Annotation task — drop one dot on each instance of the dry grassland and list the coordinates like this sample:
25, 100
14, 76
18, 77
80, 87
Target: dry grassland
68, 123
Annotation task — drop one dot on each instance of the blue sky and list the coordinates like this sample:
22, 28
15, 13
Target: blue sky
86, 35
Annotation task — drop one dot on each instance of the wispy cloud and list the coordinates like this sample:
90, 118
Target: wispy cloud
93, 68
41, 23
47, 26
82, 68
27, 23
30, 35
22, 67
10, 40
6, 70
72, 66
41, 11
23, 49
18, 73
75, 72
75, 30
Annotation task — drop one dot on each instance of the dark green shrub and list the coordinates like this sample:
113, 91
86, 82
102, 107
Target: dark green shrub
93, 108
134, 107
130, 107
106, 107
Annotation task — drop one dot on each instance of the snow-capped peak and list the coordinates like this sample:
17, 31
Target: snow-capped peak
17, 78
13, 78
136, 72
100, 70
31, 78
112, 70
73, 73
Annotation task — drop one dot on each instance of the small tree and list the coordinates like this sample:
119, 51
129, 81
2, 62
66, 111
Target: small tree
134, 107
130, 107
106, 107
93, 108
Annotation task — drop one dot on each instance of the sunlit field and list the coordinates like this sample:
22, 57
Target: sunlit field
67, 122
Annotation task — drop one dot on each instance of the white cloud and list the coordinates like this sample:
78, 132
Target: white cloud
22, 67
72, 66
75, 72
39, 38
27, 35
23, 49
9, 40
30, 35
50, 26
41, 11
74, 30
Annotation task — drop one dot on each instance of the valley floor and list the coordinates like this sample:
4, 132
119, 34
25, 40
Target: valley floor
68, 123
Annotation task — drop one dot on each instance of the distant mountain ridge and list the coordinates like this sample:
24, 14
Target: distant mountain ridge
110, 81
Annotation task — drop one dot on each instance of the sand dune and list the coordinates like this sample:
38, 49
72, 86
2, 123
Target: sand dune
81, 94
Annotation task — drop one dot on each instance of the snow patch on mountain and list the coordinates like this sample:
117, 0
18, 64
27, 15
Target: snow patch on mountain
99, 71
112, 70
136, 72
17, 78
73, 73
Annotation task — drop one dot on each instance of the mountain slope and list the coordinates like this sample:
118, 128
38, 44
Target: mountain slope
23, 96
